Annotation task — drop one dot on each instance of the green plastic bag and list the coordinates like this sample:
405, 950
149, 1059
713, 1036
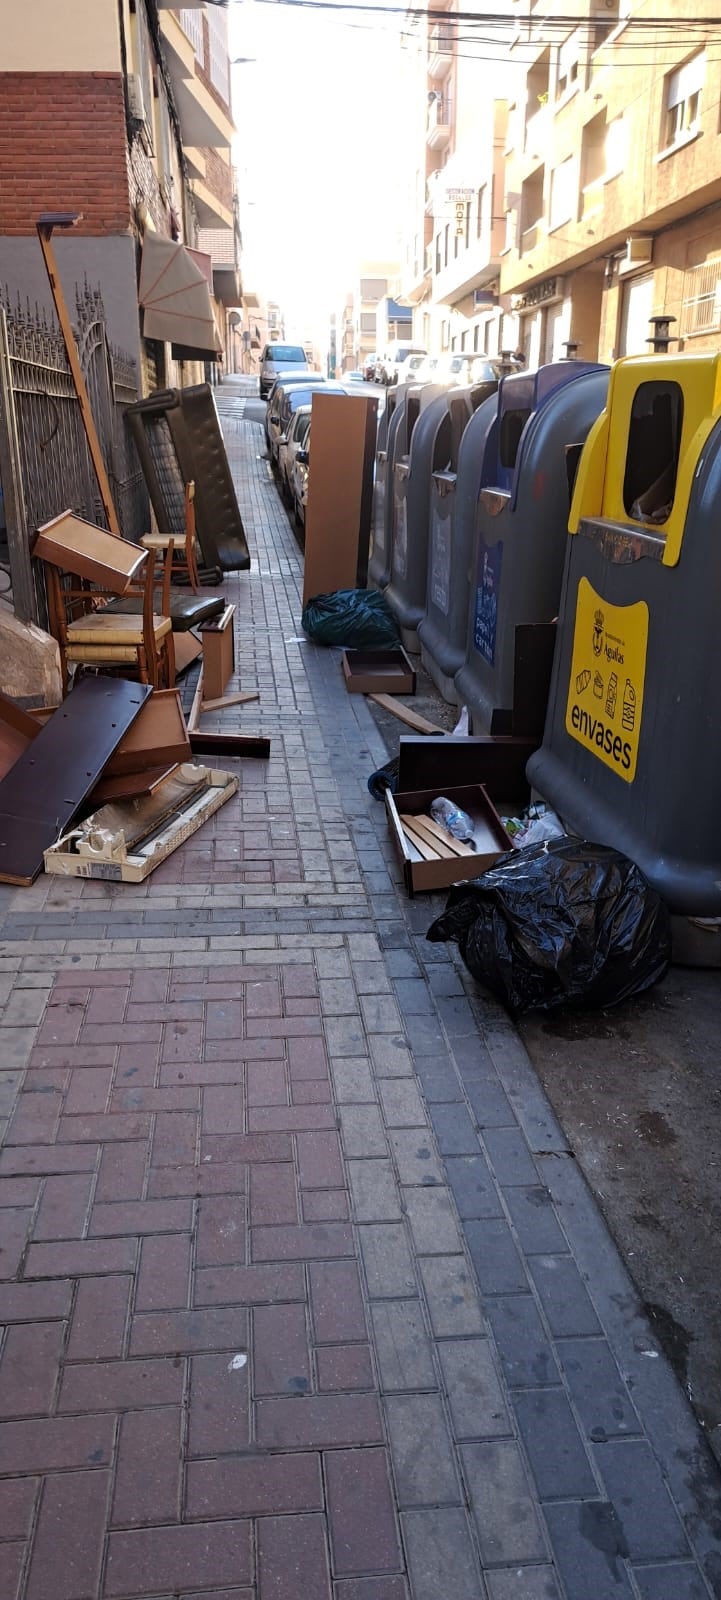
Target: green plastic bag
356, 618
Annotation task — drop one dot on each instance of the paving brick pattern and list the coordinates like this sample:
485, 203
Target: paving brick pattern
302, 1291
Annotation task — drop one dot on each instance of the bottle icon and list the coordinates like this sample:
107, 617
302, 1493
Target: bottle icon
612, 695
628, 708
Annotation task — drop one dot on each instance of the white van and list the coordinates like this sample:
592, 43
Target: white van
278, 360
392, 367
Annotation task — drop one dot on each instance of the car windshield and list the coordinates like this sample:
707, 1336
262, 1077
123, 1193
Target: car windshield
287, 353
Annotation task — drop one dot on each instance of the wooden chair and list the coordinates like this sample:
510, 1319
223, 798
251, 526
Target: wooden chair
159, 542
88, 633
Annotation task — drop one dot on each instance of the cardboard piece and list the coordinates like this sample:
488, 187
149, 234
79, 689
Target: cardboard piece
423, 871
378, 671
340, 491
106, 852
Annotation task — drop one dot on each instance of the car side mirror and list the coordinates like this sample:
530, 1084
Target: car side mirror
303, 457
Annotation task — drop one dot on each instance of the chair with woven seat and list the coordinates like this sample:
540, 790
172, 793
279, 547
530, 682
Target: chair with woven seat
87, 631
187, 557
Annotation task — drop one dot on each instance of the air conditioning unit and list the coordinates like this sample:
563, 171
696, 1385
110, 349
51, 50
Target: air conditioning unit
638, 253
136, 102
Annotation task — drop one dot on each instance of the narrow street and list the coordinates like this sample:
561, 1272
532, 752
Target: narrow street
305, 1293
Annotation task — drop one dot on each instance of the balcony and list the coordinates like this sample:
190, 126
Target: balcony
203, 121
440, 53
438, 131
537, 132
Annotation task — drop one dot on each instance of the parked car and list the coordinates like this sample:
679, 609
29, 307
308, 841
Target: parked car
280, 359
288, 447
299, 482
287, 404
391, 367
369, 367
353, 377
280, 393
284, 385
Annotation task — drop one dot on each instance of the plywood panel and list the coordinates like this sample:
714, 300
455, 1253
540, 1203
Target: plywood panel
340, 487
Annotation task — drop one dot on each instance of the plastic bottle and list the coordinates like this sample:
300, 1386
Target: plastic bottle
455, 821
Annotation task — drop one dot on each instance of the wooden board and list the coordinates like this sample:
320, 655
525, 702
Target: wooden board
240, 699
158, 737
417, 839
229, 744
128, 787
218, 652
435, 835
47, 786
411, 718
340, 488
187, 650
76, 546
17, 731
498, 763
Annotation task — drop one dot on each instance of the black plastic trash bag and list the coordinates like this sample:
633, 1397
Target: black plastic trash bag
562, 923
356, 618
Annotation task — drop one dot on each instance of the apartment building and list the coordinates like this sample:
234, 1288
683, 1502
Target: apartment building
370, 318
613, 178
119, 114
457, 85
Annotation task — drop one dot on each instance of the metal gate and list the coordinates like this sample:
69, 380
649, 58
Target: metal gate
45, 465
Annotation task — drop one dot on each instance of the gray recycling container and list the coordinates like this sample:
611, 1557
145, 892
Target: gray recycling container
631, 755
454, 498
379, 561
432, 444
521, 525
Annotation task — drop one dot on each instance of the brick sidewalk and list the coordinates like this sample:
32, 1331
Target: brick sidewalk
304, 1295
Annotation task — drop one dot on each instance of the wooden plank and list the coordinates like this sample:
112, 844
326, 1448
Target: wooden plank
47, 786
128, 786
44, 230
411, 718
434, 830
187, 650
229, 744
194, 717
157, 738
239, 699
337, 519
416, 839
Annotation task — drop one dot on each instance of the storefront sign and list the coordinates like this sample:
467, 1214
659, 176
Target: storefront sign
608, 668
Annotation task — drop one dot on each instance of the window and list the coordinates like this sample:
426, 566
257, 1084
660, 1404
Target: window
464, 337
191, 23
532, 199
218, 66
567, 78
142, 111
445, 330
701, 312
480, 210
438, 252
683, 101
446, 238
476, 337
563, 192
654, 443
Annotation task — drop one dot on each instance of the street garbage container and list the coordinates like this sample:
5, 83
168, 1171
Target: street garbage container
430, 479
379, 565
521, 526
631, 755
442, 631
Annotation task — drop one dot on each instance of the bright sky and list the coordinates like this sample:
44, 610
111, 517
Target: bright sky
317, 115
